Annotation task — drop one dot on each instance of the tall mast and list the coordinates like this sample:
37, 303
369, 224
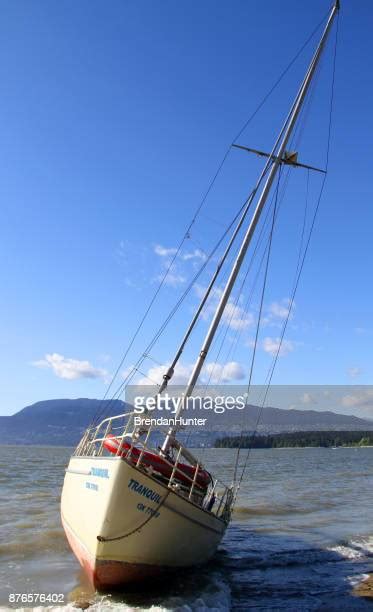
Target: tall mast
290, 123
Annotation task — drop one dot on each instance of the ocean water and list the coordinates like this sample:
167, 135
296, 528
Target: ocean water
301, 536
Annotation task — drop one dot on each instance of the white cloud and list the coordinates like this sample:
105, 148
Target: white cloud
127, 372
307, 398
215, 295
196, 254
234, 315
173, 279
362, 399
175, 273
250, 342
219, 373
170, 275
281, 310
70, 369
229, 372
164, 251
271, 346
155, 374
354, 372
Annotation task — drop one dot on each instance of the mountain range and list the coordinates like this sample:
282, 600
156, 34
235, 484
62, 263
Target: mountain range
61, 422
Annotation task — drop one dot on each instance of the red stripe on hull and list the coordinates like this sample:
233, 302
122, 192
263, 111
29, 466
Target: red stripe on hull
105, 575
111, 574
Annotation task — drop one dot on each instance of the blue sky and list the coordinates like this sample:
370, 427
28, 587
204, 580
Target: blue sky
114, 117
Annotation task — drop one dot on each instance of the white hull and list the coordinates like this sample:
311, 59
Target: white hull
124, 525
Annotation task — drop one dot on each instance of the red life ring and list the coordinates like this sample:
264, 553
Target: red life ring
112, 444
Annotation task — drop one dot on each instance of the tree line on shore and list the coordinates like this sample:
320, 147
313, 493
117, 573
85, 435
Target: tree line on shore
294, 439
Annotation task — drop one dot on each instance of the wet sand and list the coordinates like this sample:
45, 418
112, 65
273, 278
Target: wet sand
365, 588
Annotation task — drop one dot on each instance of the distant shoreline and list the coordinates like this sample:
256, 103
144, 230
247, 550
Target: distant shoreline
299, 439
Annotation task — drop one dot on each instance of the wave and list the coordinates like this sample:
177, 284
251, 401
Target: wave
347, 552
365, 544
102, 606
355, 549
277, 510
215, 596
49, 541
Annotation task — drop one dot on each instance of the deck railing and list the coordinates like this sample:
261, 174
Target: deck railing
133, 444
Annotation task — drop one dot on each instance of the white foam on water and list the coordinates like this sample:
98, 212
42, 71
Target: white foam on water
364, 544
347, 552
217, 596
356, 549
99, 606
357, 579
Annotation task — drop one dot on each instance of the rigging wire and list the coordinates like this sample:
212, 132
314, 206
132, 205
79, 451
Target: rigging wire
274, 202
237, 299
130, 375
260, 238
301, 262
198, 210
245, 309
299, 129
266, 169
270, 240
294, 143
277, 82
245, 208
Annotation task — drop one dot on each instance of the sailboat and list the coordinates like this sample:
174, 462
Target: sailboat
132, 509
